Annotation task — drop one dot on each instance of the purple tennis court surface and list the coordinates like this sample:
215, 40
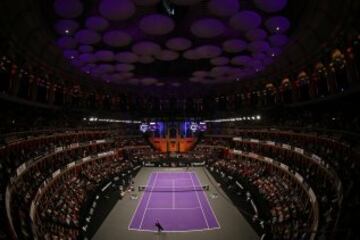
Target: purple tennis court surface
176, 210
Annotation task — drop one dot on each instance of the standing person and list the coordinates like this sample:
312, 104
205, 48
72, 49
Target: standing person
159, 227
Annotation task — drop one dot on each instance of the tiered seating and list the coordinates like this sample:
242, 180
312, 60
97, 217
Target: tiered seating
289, 206
22, 148
62, 203
323, 161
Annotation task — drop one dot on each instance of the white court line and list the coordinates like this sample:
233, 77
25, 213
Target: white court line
193, 208
173, 194
139, 203
197, 196
207, 199
147, 203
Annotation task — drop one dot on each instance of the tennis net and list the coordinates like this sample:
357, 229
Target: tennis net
144, 188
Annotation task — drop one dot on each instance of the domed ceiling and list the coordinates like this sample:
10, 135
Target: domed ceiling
171, 42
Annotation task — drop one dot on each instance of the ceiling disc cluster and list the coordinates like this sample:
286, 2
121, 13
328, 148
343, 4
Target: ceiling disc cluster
114, 40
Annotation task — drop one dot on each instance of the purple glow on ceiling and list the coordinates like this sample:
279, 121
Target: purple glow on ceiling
245, 21
86, 48
87, 37
256, 34
116, 10
96, 23
146, 48
126, 57
277, 24
167, 55
278, 40
234, 45
66, 27
207, 28
66, 43
208, 51
116, 38
178, 44
156, 24
112, 39
220, 61
224, 8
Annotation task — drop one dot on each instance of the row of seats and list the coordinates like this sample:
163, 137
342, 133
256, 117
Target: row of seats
41, 155
61, 205
337, 157
289, 208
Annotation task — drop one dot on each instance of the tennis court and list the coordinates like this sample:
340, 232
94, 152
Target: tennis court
177, 200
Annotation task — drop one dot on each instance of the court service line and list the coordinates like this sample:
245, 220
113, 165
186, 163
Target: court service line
212, 210
173, 194
197, 196
149, 180
148, 200
193, 208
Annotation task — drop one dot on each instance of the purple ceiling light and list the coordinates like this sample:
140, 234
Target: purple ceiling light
207, 28
104, 55
277, 24
220, 71
124, 67
259, 46
208, 51
156, 24
245, 21
116, 38
178, 44
241, 60
146, 48
270, 6
96, 23
278, 40
126, 57
66, 27
167, 55
87, 37
234, 45
87, 58
224, 8
68, 8
256, 34
86, 48
106, 68
117, 10
71, 54
66, 43
220, 61
273, 52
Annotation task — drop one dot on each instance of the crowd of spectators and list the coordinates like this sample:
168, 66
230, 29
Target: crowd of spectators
42, 153
338, 157
61, 208
288, 206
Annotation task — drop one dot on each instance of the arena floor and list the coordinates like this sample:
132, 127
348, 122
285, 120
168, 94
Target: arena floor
203, 217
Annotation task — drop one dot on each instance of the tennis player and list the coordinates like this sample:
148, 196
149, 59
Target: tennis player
159, 227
